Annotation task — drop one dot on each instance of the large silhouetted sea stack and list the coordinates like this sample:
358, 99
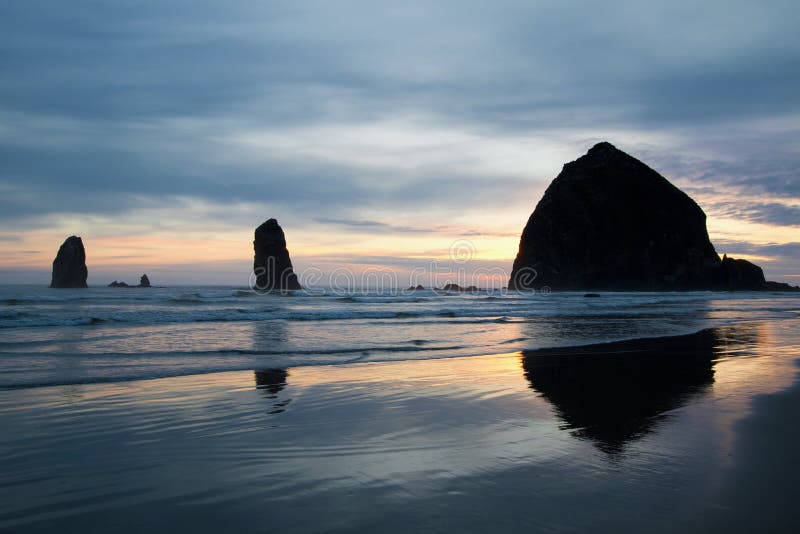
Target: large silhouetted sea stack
272, 265
69, 267
608, 221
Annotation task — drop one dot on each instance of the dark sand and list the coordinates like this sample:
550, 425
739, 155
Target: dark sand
694, 433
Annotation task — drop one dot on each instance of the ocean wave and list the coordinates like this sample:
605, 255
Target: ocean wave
412, 346
154, 365
27, 322
499, 314
203, 362
167, 295
36, 299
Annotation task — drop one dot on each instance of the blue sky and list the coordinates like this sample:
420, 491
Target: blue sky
378, 133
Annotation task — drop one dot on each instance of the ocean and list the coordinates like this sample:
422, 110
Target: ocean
216, 409
72, 336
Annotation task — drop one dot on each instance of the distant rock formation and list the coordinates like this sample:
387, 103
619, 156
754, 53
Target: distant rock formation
608, 221
456, 287
272, 265
69, 266
143, 282
780, 286
418, 287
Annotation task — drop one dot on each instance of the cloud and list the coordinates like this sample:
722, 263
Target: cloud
382, 227
771, 213
416, 118
790, 251
356, 224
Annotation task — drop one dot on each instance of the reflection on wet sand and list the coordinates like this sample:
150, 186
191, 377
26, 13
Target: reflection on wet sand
614, 393
271, 382
464, 444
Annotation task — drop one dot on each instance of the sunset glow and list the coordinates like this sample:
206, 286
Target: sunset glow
169, 170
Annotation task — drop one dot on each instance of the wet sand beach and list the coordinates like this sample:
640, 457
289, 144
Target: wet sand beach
691, 433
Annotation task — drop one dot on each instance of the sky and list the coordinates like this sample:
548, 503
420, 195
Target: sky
382, 135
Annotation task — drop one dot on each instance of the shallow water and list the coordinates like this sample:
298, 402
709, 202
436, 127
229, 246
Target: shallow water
613, 438
63, 336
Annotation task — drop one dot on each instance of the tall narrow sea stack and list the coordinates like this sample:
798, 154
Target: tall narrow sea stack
610, 222
69, 267
272, 266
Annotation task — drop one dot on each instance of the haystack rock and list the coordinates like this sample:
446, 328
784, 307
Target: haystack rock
69, 267
272, 266
610, 222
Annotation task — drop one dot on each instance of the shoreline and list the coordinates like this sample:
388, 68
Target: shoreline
602, 438
640, 344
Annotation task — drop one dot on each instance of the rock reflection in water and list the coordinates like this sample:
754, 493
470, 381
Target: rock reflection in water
271, 382
614, 393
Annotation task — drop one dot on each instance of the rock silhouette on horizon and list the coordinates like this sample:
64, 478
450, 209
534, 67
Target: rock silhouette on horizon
272, 266
69, 265
610, 222
455, 287
143, 282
